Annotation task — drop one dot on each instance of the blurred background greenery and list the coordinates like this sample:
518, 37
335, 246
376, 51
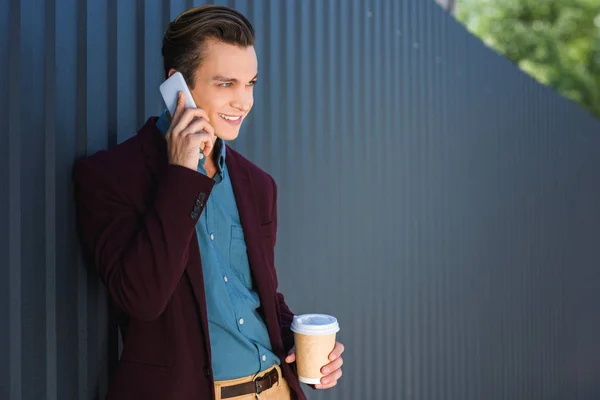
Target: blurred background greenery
556, 41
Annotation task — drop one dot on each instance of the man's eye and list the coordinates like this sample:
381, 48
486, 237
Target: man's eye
226, 84
252, 83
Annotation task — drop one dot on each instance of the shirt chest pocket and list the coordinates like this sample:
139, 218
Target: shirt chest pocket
238, 256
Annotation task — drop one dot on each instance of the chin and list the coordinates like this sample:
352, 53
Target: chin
228, 134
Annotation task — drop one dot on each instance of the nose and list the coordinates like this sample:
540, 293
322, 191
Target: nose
244, 99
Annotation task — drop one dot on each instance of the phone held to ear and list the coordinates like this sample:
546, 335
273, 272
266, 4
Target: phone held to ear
170, 90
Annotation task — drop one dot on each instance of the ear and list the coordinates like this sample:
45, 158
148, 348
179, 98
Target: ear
171, 72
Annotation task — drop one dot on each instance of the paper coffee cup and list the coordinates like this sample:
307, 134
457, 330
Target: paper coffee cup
314, 336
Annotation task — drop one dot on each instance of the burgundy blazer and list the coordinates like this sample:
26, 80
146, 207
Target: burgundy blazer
136, 216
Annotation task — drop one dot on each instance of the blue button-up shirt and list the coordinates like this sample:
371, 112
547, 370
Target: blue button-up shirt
239, 340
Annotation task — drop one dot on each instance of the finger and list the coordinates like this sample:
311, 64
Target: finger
328, 386
197, 126
337, 351
179, 107
203, 141
189, 114
176, 114
290, 358
327, 383
331, 380
329, 368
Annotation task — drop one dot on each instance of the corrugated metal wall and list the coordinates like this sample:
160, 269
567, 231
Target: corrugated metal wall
433, 197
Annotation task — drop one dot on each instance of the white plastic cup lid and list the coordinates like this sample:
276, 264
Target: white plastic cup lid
315, 324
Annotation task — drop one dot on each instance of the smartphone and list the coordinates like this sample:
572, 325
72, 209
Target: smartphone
170, 90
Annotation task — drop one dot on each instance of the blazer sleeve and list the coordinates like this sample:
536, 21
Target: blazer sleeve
140, 257
285, 315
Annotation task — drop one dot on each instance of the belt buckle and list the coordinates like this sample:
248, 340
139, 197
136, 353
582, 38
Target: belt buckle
257, 383
256, 387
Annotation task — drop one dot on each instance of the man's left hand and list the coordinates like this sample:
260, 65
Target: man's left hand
332, 371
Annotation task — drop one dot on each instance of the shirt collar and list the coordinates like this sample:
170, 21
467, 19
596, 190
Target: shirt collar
163, 124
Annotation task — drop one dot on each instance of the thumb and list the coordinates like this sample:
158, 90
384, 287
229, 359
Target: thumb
291, 357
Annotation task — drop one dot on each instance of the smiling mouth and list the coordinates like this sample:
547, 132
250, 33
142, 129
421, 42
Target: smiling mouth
230, 117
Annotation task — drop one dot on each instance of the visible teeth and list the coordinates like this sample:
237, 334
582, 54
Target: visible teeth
230, 118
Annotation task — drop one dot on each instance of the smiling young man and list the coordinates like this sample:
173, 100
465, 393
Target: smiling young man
182, 228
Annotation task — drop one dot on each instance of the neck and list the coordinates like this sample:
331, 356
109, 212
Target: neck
210, 164
210, 167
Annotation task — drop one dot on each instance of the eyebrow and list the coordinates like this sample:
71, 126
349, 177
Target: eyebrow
221, 78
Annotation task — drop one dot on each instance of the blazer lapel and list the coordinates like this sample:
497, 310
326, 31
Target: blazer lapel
244, 189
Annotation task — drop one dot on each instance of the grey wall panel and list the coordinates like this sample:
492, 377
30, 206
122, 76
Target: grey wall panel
5, 221
433, 197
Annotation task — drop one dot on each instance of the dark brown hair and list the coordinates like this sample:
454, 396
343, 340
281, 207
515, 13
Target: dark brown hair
186, 36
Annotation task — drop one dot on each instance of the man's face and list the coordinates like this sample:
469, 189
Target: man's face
224, 86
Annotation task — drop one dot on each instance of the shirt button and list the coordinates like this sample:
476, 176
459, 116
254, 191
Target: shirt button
264, 358
241, 321
225, 278
212, 236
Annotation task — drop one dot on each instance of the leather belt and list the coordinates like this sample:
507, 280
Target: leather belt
255, 387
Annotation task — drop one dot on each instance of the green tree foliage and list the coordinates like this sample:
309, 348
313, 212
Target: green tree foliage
556, 41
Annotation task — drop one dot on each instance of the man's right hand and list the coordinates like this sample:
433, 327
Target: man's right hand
189, 135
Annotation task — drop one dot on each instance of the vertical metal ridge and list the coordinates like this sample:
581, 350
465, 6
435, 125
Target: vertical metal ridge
152, 33
370, 136
384, 38
98, 135
446, 381
166, 16
81, 145
397, 198
128, 76
289, 107
14, 203
97, 76
32, 110
340, 142
390, 126
67, 101
355, 137
304, 119
50, 202
319, 98
274, 76
403, 193
112, 66
259, 17
6, 38
139, 72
